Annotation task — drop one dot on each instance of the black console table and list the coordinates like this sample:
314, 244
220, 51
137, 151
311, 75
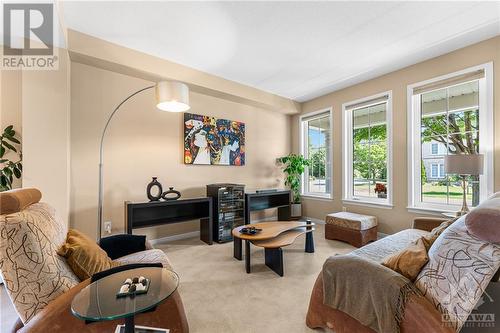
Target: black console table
150, 214
268, 199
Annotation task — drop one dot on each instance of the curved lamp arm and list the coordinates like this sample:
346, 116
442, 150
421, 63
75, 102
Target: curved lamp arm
101, 194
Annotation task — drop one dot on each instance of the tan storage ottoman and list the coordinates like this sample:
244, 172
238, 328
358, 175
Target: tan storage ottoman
355, 229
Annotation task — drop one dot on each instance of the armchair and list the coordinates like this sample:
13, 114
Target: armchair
427, 223
41, 284
422, 312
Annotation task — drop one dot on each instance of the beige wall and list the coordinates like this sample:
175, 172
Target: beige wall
11, 107
143, 142
398, 218
45, 122
99, 53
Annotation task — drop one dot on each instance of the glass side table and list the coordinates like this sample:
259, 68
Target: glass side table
98, 301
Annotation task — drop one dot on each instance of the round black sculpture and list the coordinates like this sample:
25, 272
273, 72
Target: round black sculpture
171, 191
154, 183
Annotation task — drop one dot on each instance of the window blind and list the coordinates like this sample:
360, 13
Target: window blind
370, 102
316, 116
479, 74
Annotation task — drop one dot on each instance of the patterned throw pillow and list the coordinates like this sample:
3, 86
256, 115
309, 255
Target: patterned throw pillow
33, 272
460, 268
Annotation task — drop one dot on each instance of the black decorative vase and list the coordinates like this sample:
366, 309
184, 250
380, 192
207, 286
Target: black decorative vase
154, 183
171, 191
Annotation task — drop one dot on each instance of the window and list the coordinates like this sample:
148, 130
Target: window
434, 172
437, 170
434, 148
449, 115
316, 146
367, 150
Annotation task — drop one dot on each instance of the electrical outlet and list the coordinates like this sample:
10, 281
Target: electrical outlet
107, 226
344, 209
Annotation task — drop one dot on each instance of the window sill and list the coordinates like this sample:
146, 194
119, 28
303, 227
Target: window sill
317, 197
383, 205
431, 211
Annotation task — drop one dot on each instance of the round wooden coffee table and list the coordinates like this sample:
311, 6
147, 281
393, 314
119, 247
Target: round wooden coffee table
272, 238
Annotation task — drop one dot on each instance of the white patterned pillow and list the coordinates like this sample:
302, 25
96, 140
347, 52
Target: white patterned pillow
460, 268
33, 272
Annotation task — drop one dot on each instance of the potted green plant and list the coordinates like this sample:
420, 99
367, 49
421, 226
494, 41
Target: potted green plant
381, 190
9, 167
294, 166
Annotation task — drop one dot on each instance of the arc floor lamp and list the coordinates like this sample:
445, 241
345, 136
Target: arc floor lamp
171, 96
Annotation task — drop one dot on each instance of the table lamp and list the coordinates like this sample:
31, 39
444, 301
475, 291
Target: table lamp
464, 165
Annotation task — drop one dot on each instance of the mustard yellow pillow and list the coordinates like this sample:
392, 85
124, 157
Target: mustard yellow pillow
409, 261
84, 256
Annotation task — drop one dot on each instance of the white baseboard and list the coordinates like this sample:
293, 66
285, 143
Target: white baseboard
172, 238
303, 218
381, 235
314, 220
272, 218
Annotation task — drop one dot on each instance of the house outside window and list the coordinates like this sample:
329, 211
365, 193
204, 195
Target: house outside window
316, 145
434, 148
436, 171
367, 150
449, 115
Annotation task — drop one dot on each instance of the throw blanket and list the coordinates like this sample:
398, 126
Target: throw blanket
367, 291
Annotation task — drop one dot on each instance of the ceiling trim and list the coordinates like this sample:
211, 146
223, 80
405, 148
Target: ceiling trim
99, 53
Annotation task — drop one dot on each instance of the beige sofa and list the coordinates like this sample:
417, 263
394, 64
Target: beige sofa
41, 285
437, 280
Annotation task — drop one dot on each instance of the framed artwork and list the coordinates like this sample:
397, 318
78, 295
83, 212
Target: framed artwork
209, 140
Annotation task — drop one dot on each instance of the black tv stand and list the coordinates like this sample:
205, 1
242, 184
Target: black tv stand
270, 199
150, 214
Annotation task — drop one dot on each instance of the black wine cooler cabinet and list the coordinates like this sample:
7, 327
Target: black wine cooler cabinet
228, 209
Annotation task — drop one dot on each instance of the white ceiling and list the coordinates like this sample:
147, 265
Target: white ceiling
298, 50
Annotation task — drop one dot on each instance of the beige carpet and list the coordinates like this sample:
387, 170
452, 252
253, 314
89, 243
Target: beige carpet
219, 296
7, 314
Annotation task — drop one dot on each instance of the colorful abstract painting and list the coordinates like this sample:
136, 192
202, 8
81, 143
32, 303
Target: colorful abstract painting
209, 140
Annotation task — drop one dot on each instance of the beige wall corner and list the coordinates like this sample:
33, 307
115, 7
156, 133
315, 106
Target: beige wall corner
143, 142
45, 123
102, 54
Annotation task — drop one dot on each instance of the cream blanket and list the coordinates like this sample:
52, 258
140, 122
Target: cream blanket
371, 293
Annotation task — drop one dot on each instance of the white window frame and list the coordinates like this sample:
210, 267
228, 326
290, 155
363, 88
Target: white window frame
434, 144
439, 170
432, 170
304, 152
347, 155
485, 140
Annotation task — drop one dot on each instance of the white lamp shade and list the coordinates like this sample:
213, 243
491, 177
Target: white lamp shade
462, 164
172, 96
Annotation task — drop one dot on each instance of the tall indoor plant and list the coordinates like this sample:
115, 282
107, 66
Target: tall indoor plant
294, 166
10, 167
